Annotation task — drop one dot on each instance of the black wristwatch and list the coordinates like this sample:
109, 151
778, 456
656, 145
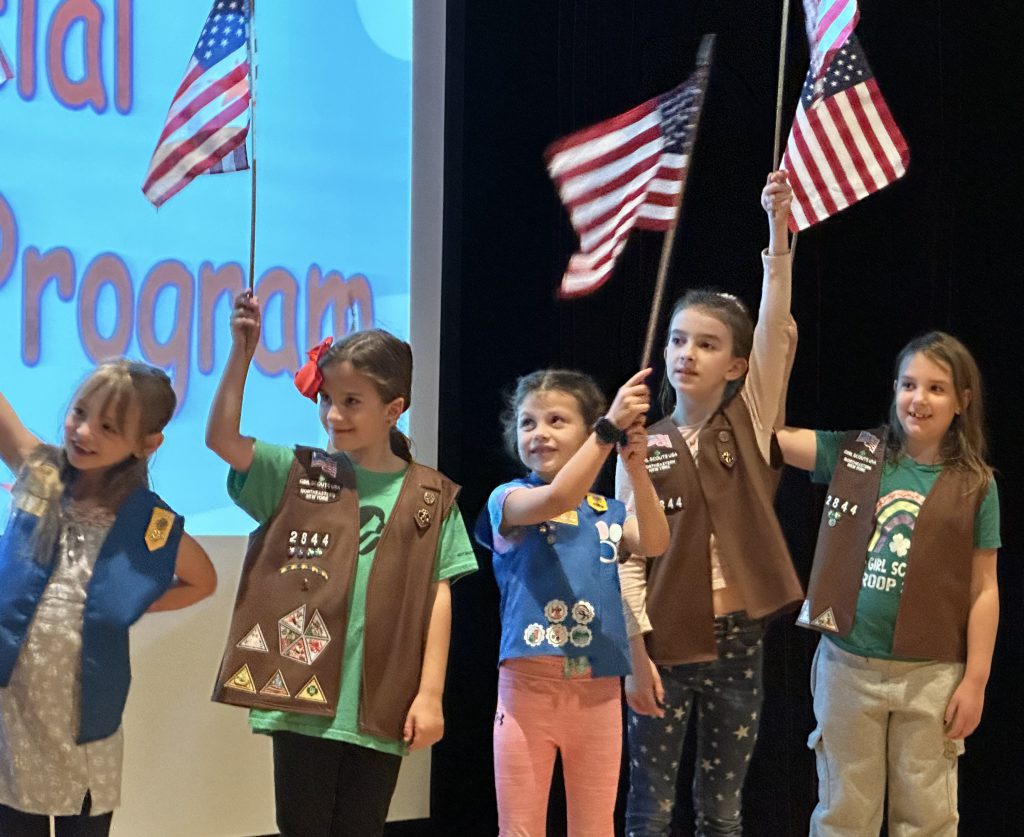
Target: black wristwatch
608, 433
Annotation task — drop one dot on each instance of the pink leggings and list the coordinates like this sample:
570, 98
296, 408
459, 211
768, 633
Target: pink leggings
541, 712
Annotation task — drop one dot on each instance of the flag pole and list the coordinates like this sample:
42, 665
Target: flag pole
783, 39
252, 143
704, 57
777, 150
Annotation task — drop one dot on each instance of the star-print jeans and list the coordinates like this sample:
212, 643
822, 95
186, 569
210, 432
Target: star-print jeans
725, 695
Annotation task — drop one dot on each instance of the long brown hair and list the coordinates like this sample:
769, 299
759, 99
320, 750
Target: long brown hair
385, 360
964, 447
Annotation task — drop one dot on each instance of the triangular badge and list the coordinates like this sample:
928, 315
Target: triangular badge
317, 628
242, 680
315, 647
254, 641
276, 686
311, 692
805, 613
287, 636
296, 619
299, 652
826, 620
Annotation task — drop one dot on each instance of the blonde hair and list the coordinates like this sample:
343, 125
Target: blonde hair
119, 384
964, 447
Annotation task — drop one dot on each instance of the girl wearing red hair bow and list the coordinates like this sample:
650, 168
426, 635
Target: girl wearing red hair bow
339, 638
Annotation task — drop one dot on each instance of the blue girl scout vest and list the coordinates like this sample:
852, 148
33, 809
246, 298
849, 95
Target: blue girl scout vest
134, 568
559, 583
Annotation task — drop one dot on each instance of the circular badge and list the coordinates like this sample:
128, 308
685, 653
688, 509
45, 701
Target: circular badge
580, 636
556, 610
534, 634
583, 612
557, 635
615, 533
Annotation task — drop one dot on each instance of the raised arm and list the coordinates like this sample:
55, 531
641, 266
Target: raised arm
799, 447
527, 506
223, 434
194, 578
15, 439
647, 532
766, 381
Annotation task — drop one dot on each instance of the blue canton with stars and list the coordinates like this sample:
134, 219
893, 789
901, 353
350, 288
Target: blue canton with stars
224, 32
679, 109
847, 69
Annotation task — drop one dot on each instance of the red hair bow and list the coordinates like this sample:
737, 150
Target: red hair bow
309, 379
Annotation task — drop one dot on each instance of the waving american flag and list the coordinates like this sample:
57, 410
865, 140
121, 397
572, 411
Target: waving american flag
208, 120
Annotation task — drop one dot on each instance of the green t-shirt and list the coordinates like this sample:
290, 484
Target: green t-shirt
258, 492
904, 486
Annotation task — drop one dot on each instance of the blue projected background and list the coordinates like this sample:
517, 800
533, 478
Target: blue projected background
78, 124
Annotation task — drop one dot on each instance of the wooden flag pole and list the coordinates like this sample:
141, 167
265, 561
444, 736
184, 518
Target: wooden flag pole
777, 150
783, 39
252, 143
704, 57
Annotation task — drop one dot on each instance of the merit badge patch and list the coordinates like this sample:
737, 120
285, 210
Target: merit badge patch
276, 686
316, 627
580, 636
805, 613
311, 692
296, 619
583, 612
534, 634
287, 637
254, 641
159, 529
569, 518
556, 610
241, 680
597, 503
298, 652
826, 620
557, 635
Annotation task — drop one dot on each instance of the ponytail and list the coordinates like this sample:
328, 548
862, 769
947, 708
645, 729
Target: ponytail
401, 445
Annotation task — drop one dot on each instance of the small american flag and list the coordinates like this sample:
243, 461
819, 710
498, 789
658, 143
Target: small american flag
6, 70
208, 120
844, 143
829, 24
325, 463
623, 173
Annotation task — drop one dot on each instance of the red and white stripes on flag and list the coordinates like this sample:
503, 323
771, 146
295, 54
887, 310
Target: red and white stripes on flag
623, 173
844, 143
829, 24
208, 120
6, 70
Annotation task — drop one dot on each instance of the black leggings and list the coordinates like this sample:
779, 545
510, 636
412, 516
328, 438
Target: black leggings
326, 788
14, 823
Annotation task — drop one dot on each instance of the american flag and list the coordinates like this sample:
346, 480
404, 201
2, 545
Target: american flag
829, 23
623, 173
208, 120
844, 143
6, 70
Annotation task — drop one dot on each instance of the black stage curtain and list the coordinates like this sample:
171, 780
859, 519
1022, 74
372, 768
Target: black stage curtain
937, 250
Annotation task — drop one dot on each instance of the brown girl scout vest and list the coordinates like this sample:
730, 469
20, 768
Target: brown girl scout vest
932, 620
730, 492
286, 641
